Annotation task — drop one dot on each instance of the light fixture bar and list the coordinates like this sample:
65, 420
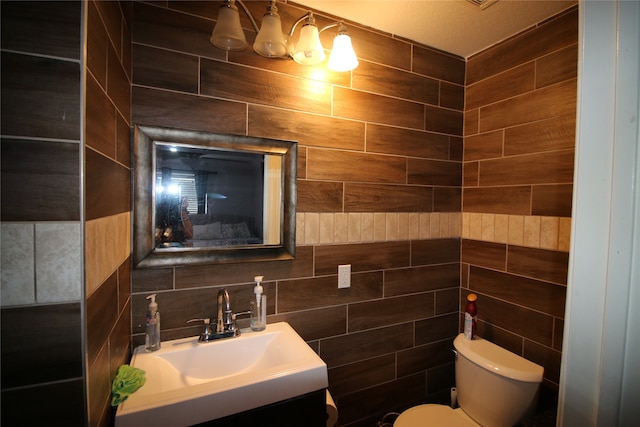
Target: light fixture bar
270, 42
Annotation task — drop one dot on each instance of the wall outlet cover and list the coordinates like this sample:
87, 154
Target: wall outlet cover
344, 276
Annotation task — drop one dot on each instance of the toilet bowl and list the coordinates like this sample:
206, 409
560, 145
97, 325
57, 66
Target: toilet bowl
495, 388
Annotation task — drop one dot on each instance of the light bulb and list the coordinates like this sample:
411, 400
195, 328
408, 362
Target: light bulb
342, 57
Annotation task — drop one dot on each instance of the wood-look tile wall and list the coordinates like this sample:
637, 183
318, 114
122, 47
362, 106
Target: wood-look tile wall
384, 141
42, 355
107, 201
519, 140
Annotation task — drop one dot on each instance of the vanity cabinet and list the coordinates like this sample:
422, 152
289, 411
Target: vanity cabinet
308, 410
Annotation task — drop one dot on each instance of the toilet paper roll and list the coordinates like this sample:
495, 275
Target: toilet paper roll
332, 411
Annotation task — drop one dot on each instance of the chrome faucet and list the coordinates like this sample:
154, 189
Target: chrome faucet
226, 321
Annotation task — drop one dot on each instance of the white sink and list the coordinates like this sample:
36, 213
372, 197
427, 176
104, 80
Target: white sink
190, 382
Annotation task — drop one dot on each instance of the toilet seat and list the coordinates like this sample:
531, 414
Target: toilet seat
434, 415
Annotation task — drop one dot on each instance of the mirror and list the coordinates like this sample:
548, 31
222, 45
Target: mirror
202, 198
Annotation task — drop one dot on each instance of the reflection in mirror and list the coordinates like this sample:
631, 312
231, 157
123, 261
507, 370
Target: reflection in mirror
208, 198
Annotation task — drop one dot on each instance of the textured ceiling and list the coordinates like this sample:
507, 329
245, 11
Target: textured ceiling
455, 26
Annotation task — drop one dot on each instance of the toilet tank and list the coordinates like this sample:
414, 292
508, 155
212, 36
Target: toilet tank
495, 387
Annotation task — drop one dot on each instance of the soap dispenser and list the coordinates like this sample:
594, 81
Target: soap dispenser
259, 307
152, 338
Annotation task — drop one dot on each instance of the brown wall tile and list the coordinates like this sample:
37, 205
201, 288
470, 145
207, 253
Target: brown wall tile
107, 186
180, 32
487, 254
367, 344
45, 28
37, 104
100, 120
407, 142
22, 359
557, 67
380, 48
380, 400
551, 200
231, 81
436, 251
519, 320
319, 196
41, 179
362, 374
546, 103
447, 199
387, 198
484, 146
374, 78
302, 294
308, 129
165, 69
452, 96
159, 108
535, 294
362, 257
437, 328
512, 200
424, 357
557, 133
339, 166
470, 174
512, 82
315, 324
102, 313
546, 357
441, 65
443, 120
548, 37
419, 279
220, 274
378, 313
434, 172
357, 105
539, 263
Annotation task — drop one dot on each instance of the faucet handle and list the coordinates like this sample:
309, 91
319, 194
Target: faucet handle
207, 333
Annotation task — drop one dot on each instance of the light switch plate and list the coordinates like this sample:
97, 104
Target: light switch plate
344, 276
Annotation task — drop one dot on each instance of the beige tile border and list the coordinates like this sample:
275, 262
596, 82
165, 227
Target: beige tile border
544, 232
366, 227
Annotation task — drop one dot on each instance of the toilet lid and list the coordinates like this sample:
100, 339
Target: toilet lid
433, 415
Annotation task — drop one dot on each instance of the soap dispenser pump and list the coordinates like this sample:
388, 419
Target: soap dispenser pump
259, 307
152, 337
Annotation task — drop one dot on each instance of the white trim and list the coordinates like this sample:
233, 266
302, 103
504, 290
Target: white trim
599, 375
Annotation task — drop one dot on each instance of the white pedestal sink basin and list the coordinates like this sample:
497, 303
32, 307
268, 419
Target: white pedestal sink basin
190, 382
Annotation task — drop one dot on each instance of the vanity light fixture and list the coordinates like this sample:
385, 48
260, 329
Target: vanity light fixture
272, 43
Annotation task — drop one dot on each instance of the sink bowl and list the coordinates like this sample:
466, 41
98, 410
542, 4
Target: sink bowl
190, 382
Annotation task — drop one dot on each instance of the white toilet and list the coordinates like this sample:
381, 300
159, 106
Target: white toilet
495, 388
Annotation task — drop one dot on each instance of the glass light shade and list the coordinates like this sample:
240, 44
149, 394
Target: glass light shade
309, 50
270, 40
343, 57
228, 34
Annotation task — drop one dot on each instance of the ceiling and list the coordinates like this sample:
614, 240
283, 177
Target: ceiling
456, 26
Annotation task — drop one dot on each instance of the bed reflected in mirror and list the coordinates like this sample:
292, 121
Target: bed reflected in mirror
208, 198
